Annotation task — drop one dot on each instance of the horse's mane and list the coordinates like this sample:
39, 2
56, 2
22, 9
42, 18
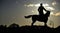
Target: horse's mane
47, 14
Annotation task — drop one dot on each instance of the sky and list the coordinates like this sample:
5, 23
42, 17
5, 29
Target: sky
13, 11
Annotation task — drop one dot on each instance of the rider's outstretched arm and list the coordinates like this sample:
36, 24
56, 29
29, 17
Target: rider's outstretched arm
44, 9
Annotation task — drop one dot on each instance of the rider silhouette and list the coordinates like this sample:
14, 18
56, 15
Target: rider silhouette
40, 9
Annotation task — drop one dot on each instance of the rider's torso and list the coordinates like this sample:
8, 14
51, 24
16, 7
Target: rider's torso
41, 10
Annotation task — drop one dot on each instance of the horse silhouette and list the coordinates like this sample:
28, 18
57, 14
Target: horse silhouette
41, 18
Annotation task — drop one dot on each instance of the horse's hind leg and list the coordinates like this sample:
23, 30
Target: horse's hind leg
33, 21
45, 24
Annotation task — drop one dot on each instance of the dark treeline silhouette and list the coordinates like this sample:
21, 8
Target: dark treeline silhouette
15, 28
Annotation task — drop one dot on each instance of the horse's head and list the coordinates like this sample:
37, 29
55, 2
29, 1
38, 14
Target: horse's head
47, 14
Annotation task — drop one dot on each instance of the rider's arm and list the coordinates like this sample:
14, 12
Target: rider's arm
44, 9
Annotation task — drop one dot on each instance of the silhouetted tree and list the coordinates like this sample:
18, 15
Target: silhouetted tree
14, 25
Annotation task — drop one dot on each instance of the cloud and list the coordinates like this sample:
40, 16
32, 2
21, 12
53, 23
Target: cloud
37, 5
54, 3
32, 5
49, 8
56, 14
46, 6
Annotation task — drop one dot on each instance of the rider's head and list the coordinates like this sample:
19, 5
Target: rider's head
41, 4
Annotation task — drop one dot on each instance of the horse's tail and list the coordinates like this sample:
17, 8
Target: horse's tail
28, 16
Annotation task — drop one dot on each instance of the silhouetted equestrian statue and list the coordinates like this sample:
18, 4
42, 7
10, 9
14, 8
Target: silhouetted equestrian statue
41, 17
